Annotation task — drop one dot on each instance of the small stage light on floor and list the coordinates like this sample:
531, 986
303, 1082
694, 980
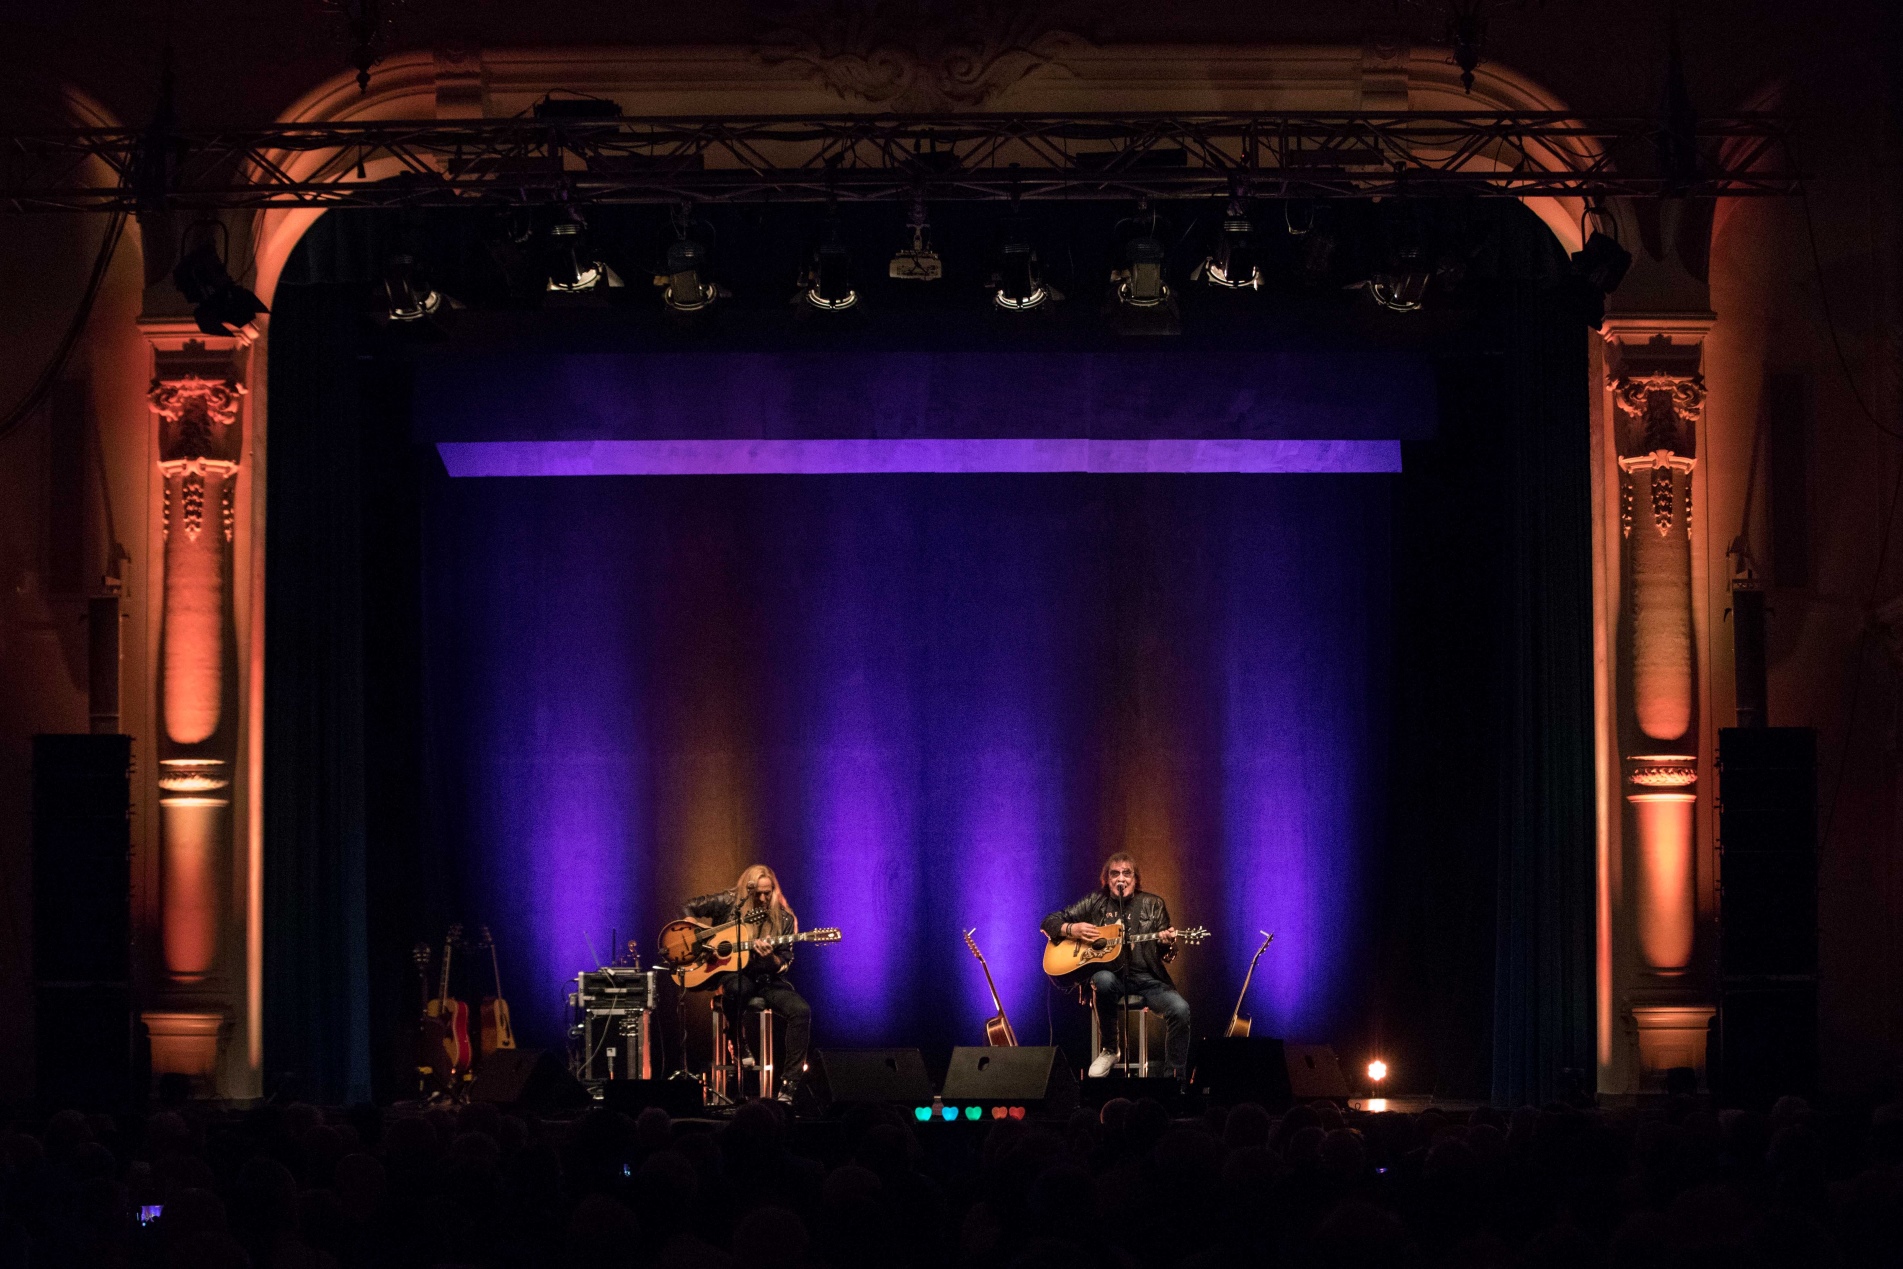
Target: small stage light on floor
219, 305
1377, 1071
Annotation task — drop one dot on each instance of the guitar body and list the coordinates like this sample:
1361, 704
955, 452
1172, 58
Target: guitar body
1068, 958
497, 1031
695, 958
998, 1033
432, 1067
453, 1017
1238, 1028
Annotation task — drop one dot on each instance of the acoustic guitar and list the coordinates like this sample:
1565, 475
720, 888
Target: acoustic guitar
1067, 958
432, 1072
497, 1031
1239, 1025
453, 1014
997, 1027
694, 958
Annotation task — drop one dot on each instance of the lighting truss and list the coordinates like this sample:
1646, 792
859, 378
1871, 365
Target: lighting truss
859, 158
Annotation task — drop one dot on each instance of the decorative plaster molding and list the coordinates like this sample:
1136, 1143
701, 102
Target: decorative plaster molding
907, 55
1664, 773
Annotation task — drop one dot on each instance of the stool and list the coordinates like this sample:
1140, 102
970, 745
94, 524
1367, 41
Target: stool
1127, 1008
726, 1060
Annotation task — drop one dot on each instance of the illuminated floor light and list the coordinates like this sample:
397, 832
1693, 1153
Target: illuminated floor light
972, 1112
950, 1113
1377, 1070
923, 1114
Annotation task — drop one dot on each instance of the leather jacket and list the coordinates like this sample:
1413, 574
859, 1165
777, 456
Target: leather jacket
718, 908
1141, 913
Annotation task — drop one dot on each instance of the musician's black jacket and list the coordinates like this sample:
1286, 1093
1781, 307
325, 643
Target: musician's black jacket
718, 908
1141, 913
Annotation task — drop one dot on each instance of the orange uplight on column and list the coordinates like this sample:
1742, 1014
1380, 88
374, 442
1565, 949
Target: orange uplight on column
1665, 899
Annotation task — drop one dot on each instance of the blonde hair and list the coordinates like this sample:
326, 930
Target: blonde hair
743, 892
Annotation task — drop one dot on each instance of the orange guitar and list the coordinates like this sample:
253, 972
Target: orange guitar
497, 1031
997, 1027
453, 1014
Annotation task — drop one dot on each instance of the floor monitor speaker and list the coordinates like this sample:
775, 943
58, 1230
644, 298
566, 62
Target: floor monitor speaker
1028, 1075
1314, 1071
841, 1077
536, 1078
1235, 1069
680, 1098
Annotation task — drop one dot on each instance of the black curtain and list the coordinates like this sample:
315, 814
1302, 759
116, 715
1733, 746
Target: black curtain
1487, 957
341, 749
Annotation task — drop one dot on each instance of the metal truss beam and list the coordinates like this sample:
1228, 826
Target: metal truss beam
503, 162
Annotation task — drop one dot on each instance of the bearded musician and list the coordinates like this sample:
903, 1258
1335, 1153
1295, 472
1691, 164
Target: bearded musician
758, 894
1144, 968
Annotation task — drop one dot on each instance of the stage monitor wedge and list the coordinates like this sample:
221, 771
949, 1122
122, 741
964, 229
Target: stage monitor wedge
842, 1077
1032, 1076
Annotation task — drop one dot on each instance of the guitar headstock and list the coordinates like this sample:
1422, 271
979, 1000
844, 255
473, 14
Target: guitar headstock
972, 943
824, 934
487, 941
1192, 936
455, 934
422, 955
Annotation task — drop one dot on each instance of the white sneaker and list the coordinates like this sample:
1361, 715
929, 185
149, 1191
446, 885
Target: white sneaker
1100, 1067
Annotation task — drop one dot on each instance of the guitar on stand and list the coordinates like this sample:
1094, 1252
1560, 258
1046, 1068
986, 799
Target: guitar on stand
998, 1032
432, 1074
1074, 959
497, 1031
1239, 1025
453, 1015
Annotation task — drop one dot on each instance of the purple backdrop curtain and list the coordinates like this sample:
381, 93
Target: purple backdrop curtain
933, 702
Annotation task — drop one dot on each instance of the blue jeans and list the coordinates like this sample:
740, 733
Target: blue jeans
1159, 997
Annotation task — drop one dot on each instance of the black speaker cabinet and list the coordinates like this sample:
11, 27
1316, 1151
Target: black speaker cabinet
1031, 1076
1767, 914
82, 921
840, 1077
1267, 1071
537, 1078
680, 1098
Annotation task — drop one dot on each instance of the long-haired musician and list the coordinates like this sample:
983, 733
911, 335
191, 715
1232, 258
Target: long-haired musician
1143, 971
758, 892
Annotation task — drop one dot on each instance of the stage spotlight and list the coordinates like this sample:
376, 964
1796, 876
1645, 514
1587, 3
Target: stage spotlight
1017, 284
827, 282
1377, 1070
219, 305
917, 263
573, 266
683, 289
1597, 270
1232, 262
1140, 283
404, 294
1399, 292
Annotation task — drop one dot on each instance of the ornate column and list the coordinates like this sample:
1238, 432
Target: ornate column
196, 398
1658, 394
